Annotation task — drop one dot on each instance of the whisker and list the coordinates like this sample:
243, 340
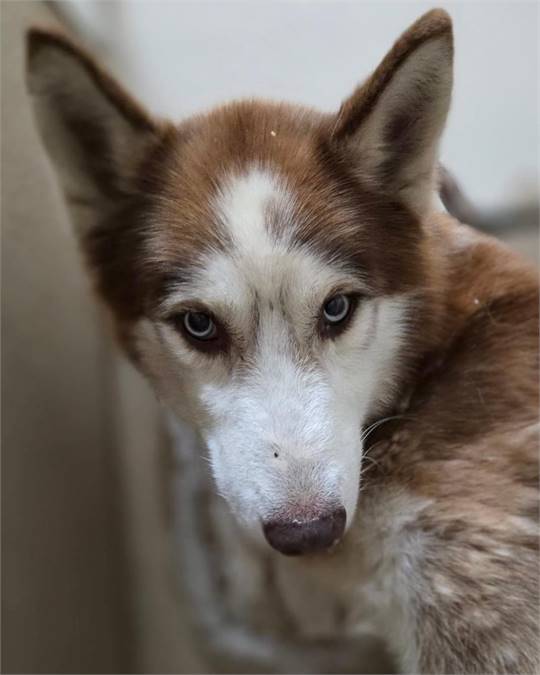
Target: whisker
370, 459
378, 423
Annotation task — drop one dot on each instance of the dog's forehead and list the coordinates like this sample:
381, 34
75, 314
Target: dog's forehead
275, 146
260, 262
259, 184
249, 207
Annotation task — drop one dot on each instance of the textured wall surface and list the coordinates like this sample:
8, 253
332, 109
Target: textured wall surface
63, 572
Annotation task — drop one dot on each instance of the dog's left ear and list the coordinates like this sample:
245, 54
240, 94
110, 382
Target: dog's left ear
96, 135
392, 123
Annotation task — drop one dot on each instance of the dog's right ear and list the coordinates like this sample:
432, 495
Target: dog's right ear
392, 124
95, 133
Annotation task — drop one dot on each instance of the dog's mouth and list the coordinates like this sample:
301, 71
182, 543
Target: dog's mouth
300, 536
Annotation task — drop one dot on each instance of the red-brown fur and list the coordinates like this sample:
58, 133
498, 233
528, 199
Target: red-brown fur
468, 395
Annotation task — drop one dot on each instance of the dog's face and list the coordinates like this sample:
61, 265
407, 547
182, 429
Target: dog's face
265, 264
276, 342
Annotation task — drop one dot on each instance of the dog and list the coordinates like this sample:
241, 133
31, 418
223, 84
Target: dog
361, 368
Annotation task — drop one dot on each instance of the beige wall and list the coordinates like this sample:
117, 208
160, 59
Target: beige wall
64, 590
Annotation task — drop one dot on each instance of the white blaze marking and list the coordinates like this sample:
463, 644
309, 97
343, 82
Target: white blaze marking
242, 204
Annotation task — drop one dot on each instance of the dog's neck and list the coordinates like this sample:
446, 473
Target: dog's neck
438, 318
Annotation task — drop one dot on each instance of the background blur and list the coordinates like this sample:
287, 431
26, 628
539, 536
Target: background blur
87, 480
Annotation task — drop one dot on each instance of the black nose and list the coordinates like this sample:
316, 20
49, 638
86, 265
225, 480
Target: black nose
293, 536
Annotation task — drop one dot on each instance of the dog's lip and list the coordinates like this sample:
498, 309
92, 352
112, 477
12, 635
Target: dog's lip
330, 550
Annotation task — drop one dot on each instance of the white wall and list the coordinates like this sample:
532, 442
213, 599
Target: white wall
181, 57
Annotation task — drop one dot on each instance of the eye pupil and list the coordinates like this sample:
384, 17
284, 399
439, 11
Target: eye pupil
199, 325
336, 309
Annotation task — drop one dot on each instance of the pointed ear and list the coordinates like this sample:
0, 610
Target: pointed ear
392, 123
95, 134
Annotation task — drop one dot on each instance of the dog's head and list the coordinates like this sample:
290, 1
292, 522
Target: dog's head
264, 263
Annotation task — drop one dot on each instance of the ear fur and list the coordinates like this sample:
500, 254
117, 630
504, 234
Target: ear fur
94, 132
392, 123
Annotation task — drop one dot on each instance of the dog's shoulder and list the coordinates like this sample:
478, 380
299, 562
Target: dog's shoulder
485, 376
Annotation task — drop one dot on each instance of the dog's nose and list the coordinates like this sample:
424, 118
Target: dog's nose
294, 536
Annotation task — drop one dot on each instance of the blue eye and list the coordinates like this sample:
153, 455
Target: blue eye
199, 325
336, 309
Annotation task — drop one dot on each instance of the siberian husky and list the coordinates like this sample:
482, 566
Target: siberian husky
361, 368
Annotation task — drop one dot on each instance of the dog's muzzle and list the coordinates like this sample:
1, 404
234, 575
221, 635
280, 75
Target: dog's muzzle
295, 536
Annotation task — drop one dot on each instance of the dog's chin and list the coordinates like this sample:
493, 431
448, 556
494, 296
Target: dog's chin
318, 553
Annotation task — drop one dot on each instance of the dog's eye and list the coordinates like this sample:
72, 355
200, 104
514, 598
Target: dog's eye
336, 309
199, 325
336, 314
201, 330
